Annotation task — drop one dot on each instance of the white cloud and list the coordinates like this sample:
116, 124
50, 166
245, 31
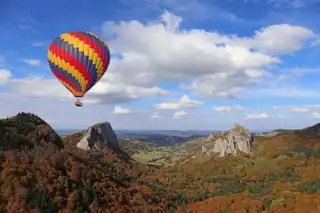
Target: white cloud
32, 62
281, 116
218, 70
39, 87
221, 85
300, 109
284, 91
292, 3
5, 75
179, 114
254, 73
156, 116
184, 102
121, 111
305, 108
221, 66
226, 108
315, 115
297, 73
257, 116
105, 92
287, 3
280, 39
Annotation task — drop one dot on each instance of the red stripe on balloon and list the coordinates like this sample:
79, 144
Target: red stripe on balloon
65, 80
92, 44
76, 63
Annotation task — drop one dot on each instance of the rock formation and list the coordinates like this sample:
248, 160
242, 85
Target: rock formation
230, 142
98, 137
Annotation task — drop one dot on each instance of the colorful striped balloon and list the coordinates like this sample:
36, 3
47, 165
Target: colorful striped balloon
78, 60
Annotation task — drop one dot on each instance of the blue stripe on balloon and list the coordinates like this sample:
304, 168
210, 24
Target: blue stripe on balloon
72, 79
102, 45
82, 58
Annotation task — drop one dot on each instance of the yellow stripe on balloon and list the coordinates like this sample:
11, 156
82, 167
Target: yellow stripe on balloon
85, 48
68, 87
100, 70
72, 41
101, 40
69, 69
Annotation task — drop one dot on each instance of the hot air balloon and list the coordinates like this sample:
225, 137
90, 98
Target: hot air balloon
78, 60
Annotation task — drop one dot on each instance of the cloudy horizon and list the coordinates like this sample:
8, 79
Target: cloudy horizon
200, 65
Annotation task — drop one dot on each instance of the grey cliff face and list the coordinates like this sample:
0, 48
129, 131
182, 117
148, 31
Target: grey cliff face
98, 137
230, 142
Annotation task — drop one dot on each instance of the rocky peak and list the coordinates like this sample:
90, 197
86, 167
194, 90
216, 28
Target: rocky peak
230, 142
99, 136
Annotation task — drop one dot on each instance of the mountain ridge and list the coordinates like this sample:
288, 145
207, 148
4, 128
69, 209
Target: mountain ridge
281, 175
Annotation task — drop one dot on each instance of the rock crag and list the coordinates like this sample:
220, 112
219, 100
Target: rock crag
237, 139
97, 137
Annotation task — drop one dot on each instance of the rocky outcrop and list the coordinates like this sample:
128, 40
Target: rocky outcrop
98, 137
231, 142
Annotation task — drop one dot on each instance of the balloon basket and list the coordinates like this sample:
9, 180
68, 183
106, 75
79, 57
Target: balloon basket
78, 103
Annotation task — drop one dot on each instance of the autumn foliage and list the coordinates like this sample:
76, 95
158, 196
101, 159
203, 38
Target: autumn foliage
40, 173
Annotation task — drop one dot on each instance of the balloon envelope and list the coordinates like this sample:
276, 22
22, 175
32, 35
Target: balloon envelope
78, 60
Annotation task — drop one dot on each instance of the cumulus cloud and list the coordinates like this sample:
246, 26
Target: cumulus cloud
121, 111
38, 87
113, 90
227, 108
4, 76
32, 62
156, 116
257, 116
305, 108
282, 38
184, 102
315, 115
179, 114
161, 51
300, 109
105, 92
221, 65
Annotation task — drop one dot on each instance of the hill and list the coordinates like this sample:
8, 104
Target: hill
311, 132
283, 130
39, 174
281, 175
25, 131
133, 146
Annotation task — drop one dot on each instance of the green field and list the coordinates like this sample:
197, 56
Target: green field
160, 155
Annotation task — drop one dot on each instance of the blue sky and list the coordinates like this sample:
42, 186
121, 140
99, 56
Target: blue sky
175, 64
